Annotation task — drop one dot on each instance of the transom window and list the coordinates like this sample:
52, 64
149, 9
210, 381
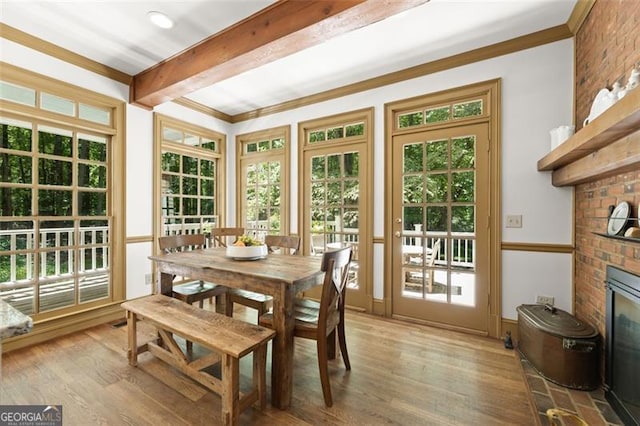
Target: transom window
336, 132
276, 143
185, 137
54, 103
440, 114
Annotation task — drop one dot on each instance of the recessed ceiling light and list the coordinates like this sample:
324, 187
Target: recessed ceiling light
160, 19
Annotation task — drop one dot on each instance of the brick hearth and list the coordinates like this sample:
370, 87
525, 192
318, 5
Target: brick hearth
591, 406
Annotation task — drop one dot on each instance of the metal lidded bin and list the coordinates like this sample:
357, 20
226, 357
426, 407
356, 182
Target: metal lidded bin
560, 347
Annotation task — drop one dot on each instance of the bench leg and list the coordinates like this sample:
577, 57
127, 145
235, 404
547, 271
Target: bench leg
133, 338
230, 390
260, 374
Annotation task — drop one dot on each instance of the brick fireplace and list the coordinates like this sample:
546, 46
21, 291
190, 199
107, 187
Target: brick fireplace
593, 252
607, 48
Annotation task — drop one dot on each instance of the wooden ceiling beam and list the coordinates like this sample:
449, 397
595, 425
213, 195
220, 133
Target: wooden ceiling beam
283, 28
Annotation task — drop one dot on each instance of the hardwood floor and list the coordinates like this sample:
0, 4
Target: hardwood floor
402, 374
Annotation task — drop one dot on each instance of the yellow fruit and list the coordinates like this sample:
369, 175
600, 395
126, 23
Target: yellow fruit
239, 243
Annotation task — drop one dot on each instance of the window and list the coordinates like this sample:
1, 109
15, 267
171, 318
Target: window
60, 148
263, 176
190, 190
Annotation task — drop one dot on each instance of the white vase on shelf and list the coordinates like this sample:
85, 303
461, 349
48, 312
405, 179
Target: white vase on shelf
616, 89
601, 103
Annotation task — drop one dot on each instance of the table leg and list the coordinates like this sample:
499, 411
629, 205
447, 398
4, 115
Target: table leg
282, 348
165, 285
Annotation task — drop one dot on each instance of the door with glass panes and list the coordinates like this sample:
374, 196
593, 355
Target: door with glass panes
335, 191
440, 225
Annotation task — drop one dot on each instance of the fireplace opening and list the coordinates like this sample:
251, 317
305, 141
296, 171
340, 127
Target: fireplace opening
622, 360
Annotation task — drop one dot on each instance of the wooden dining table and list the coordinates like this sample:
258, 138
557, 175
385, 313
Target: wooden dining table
281, 277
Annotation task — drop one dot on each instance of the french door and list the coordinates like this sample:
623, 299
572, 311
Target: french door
440, 220
335, 194
263, 177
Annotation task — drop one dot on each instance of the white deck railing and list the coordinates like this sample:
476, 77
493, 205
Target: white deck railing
462, 251
57, 272
57, 251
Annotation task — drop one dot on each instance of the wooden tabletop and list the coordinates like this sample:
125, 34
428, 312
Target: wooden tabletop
301, 272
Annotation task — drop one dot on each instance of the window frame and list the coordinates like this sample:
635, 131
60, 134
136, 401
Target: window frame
160, 122
115, 173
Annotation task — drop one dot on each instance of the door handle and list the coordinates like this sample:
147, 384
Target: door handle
398, 234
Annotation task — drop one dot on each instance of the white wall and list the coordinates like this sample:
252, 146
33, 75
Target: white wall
527, 275
536, 97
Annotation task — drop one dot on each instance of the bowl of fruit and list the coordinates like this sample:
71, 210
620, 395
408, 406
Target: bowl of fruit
247, 248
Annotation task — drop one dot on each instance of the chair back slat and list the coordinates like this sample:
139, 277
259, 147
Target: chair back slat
220, 236
284, 244
434, 254
335, 264
181, 242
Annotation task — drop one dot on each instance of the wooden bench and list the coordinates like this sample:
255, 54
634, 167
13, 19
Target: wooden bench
228, 338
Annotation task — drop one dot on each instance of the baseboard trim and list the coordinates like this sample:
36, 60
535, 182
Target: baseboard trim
378, 307
441, 325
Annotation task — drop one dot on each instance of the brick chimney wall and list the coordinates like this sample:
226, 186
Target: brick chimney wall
607, 48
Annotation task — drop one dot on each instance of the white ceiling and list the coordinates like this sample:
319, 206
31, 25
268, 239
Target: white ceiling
118, 34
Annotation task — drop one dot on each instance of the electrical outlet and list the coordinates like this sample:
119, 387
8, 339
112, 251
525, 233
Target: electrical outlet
514, 221
147, 279
545, 300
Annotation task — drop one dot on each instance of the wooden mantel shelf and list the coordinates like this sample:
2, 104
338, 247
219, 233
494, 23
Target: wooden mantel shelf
608, 145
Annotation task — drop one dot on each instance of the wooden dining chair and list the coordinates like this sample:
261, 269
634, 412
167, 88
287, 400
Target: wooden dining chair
221, 237
193, 291
320, 321
276, 244
282, 244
